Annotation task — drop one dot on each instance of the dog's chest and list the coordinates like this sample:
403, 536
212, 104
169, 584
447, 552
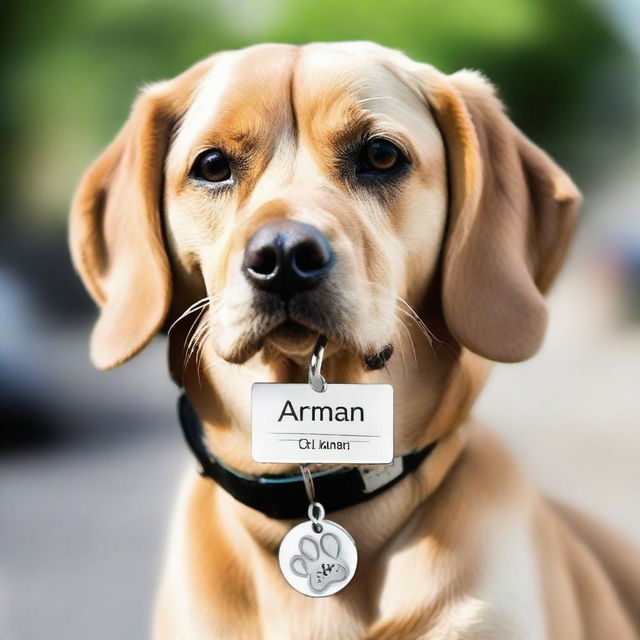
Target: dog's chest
318, 618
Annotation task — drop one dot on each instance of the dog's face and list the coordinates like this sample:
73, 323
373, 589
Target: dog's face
295, 191
305, 191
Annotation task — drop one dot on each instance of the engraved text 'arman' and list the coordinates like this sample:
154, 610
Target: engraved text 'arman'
321, 414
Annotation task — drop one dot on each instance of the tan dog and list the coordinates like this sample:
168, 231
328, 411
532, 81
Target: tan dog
402, 189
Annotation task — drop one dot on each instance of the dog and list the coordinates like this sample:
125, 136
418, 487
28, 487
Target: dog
273, 194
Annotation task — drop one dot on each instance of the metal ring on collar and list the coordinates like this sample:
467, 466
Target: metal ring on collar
308, 483
317, 382
315, 508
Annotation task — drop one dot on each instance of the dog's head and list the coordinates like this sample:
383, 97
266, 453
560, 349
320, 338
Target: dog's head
296, 191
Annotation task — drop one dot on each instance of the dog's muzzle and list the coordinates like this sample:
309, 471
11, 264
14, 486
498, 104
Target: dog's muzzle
285, 261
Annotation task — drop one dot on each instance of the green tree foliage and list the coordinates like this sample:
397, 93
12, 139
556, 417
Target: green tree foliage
70, 69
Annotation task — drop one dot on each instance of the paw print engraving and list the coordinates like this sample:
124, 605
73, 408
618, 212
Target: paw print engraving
321, 564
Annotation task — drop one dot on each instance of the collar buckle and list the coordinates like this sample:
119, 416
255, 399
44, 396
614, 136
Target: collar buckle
376, 477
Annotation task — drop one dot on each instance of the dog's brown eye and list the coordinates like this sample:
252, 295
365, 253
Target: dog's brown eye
380, 155
212, 166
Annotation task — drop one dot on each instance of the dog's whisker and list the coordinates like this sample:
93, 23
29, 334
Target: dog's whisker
197, 337
403, 356
409, 312
206, 334
191, 335
411, 343
198, 305
192, 340
194, 352
419, 321
413, 319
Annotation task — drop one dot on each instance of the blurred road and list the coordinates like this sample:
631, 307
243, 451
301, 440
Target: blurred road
84, 516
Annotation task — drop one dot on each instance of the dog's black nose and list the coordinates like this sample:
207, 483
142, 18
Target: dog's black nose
287, 257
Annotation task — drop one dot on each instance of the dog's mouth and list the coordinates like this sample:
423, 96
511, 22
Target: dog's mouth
292, 338
291, 328
295, 340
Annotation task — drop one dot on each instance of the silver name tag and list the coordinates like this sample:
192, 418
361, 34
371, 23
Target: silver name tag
346, 423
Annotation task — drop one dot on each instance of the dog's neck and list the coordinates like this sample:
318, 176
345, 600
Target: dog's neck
434, 385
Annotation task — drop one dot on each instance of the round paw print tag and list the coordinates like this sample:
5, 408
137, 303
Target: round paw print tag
318, 558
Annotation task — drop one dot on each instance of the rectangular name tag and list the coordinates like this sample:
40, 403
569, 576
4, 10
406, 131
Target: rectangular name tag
347, 423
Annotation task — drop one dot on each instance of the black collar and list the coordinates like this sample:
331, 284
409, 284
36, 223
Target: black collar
284, 496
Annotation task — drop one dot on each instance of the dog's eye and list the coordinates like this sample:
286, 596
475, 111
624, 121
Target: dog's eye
212, 166
379, 156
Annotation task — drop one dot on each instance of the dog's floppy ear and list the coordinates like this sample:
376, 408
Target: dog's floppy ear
116, 232
512, 212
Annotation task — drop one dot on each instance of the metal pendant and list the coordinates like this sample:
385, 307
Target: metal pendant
318, 558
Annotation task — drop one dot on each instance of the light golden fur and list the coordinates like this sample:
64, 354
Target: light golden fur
471, 239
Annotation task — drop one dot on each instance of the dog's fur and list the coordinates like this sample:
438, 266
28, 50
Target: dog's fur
471, 236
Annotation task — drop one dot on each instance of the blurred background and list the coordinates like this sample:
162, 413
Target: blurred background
89, 461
